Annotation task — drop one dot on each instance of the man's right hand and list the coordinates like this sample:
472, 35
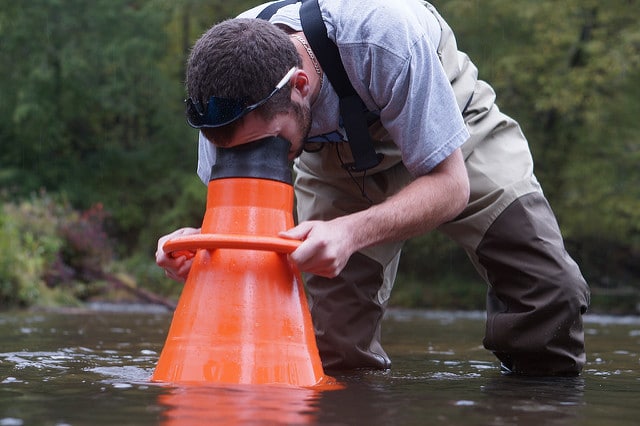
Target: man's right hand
175, 268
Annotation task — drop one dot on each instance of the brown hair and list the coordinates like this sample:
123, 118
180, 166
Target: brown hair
242, 59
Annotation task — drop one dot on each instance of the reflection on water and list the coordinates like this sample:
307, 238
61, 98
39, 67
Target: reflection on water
555, 401
92, 368
239, 405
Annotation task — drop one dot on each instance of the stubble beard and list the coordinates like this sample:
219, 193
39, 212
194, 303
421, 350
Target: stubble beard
303, 118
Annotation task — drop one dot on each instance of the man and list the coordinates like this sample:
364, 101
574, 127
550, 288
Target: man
452, 161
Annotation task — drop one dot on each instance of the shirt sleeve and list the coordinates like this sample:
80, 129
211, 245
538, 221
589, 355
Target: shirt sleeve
420, 111
392, 61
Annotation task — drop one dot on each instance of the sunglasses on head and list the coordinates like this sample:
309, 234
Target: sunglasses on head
222, 111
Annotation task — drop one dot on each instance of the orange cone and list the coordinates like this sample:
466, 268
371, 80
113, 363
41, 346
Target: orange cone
242, 317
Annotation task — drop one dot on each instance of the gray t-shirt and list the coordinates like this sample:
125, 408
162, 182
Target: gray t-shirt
389, 52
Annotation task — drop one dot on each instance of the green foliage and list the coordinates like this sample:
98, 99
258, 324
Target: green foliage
28, 247
90, 112
92, 92
23, 256
50, 253
95, 107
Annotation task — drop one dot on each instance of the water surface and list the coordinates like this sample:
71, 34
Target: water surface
92, 367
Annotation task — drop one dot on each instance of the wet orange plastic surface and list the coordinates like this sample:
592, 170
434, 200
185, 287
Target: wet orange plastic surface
242, 317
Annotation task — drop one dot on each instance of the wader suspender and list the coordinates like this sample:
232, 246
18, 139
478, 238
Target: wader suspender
352, 109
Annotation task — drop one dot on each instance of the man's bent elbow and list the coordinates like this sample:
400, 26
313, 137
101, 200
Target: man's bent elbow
458, 187
460, 196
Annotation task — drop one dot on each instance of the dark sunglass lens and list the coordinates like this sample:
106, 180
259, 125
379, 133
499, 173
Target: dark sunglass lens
221, 111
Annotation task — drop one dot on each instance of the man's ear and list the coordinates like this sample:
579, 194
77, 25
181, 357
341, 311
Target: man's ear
301, 84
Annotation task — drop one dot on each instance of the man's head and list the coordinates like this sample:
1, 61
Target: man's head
241, 60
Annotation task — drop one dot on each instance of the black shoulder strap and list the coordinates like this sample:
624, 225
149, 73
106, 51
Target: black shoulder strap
268, 11
352, 108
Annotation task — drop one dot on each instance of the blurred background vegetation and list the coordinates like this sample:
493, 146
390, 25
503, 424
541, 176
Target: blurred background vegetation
96, 161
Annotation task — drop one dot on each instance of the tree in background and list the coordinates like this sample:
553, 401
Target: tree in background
92, 108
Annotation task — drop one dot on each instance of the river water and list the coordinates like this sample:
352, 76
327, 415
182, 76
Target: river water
92, 367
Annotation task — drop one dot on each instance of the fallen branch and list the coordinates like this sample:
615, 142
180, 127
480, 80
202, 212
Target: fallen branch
141, 293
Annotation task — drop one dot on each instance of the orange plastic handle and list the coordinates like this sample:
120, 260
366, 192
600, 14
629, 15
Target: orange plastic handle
188, 244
